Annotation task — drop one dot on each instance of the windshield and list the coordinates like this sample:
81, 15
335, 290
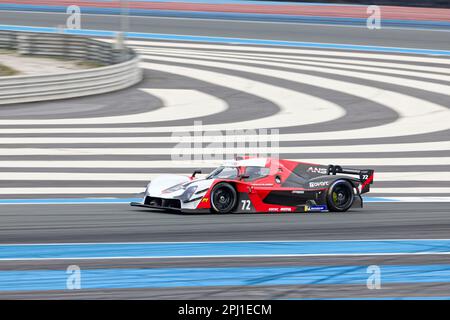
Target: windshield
256, 172
224, 173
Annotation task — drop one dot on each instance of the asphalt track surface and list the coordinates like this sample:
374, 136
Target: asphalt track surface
390, 37
120, 223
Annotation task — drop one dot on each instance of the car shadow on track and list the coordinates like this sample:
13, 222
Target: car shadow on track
177, 213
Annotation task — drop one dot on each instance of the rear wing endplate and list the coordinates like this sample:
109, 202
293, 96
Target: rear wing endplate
365, 175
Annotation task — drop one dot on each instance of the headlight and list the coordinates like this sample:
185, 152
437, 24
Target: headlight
188, 193
174, 188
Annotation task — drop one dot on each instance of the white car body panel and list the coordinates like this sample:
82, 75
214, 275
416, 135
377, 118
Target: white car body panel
159, 186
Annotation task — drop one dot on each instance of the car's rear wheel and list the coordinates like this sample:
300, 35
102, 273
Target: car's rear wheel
340, 196
223, 198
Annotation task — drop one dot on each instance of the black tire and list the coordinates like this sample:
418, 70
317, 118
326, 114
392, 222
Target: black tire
340, 196
223, 198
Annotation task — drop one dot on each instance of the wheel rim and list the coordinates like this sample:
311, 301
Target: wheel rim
341, 196
223, 199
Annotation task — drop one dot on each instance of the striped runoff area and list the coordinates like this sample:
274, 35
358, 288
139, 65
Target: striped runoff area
387, 111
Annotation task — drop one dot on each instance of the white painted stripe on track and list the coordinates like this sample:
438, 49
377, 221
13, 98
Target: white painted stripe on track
432, 117
341, 61
175, 140
208, 163
429, 199
400, 147
313, 110
246, 256
299, 62
427, 190
218, 241
83, 176
412, 176
406, 106
176, 102
327, 67
298, 51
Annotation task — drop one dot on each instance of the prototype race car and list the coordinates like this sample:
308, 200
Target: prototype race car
261, 185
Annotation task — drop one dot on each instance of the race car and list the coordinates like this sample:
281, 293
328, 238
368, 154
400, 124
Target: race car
271, 185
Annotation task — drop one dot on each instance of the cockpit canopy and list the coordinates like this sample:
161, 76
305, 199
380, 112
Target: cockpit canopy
231, 172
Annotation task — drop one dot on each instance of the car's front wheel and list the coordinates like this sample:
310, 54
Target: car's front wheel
223, 198
340, 196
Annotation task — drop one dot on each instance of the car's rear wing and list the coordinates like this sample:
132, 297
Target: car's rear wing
365, 175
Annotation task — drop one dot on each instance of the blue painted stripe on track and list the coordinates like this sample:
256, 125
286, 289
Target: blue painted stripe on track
173, 37
222, 276
414, 24
221, 249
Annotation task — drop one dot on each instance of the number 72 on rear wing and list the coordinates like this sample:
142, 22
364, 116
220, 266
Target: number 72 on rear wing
365, 176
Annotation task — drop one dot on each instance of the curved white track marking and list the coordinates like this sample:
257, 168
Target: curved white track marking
111, 140
328, 67
296, 108
413, 111
400, 147
303, 52
386, 66
383, 161
146, 177
358, 162
89, 191
140, 178
417, 117
299, 62
176, 101
100, 130
417, 84
311, 110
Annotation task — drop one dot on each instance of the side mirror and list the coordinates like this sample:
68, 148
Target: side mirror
243, 176
196, 172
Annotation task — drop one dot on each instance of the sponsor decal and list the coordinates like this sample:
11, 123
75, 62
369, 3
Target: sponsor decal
316, 208
298, 192
318, 184
317, 170
205, 199
280, 209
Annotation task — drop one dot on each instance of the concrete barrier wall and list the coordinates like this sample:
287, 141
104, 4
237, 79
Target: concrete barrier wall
121, 68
